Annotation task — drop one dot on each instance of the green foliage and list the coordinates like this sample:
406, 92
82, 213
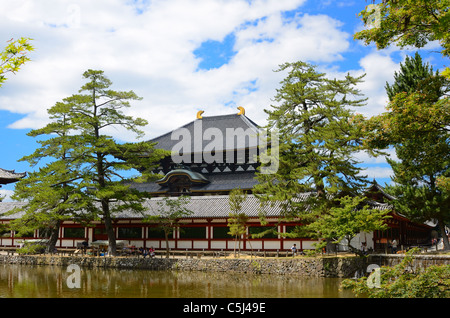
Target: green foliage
167, 215
30, 248
168, 212
443, 183
407, 23
404, 281
312, 253
85, 180
13, 56
103, 159
237, 221
349, 217
414, 75
235, 200
50, 192
319, 137
237, 224
416, 125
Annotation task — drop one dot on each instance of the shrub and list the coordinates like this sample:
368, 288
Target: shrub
405, 281
31, 248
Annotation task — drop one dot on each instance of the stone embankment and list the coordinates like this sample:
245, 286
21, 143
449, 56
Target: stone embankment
420, 260
342, 267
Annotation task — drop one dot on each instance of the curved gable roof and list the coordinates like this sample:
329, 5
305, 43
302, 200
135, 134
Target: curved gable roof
192, 175
10, 176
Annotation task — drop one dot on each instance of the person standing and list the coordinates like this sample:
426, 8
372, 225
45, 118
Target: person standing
394, 246
364, 248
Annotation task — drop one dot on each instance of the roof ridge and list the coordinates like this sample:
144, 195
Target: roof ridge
203, 197
247, 121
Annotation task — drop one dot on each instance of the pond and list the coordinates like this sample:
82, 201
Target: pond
24, 281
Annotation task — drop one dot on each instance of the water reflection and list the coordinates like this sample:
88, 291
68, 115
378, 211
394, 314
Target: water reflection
19, 281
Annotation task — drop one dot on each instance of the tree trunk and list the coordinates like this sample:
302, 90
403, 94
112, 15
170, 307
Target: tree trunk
54, 233
112, 249
239, 246
166, 235
355, 250
251, 247
331, 247
441, 225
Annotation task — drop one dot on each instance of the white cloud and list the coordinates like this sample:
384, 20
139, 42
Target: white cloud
149, 48
376, 167
377, 172
363, 156
378, 68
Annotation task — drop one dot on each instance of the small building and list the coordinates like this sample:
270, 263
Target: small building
405, 231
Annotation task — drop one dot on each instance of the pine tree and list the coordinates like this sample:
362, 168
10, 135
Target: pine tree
414, 75
319, 137
237, 221
86, 179
168, 214
49, 192
104, 159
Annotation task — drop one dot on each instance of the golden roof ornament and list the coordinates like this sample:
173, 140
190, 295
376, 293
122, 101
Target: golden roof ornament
241, 110
199, 114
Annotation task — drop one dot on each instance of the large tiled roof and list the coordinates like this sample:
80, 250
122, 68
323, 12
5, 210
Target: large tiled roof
217, 182
6, 207
213, 206
217, 206
214, 124
228, 181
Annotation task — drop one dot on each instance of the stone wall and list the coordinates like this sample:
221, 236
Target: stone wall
305, 267
419, 260
342, 267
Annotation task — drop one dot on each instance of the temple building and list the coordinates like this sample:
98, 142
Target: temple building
214, 155
210, 156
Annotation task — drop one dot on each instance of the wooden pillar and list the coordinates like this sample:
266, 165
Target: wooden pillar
209, 233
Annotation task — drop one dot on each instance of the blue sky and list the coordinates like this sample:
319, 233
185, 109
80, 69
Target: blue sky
183, 56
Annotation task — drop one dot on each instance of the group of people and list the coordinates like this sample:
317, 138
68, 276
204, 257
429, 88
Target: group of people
150, 252
392, 244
